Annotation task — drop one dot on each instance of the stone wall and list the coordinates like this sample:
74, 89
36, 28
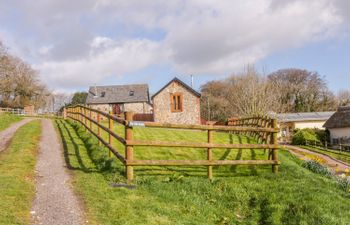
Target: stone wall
190, 106
137, 107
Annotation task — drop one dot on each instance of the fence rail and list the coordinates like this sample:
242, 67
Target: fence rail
263, 129
13, 111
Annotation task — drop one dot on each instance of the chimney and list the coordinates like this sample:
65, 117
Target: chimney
192, 81
96, 94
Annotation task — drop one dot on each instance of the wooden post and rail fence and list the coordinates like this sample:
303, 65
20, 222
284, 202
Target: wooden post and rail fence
262, 128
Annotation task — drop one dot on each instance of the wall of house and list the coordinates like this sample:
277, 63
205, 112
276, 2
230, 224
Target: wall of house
137, 107
337, 133
310, 124
190, 106
286, 129
101, 107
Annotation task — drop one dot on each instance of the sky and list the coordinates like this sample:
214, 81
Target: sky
80, 43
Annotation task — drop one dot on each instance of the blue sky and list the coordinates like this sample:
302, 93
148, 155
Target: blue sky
75, 44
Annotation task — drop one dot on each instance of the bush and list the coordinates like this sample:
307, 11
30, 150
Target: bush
303, 136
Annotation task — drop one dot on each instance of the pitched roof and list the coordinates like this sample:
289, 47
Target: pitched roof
302, 117
180, 82
118, 94
340, 119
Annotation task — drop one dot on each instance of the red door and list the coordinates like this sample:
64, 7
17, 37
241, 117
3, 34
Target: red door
116, 109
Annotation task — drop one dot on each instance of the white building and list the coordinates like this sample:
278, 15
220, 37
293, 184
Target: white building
288, 122
339, 126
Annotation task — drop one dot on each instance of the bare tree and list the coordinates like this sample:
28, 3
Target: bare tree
19, 83
245, 94
343, 98
250, 94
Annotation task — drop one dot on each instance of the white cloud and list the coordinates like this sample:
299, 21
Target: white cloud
87, 41
117, 60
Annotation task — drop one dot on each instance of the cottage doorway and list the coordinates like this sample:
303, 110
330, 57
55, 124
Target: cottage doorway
117, 109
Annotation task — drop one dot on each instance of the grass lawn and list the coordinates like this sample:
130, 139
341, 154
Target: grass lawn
17, 163
7, 119
340, 155
183, 195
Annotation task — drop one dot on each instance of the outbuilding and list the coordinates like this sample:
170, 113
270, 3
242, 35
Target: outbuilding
176, 102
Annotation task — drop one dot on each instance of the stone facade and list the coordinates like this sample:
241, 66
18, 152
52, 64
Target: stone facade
162, 105
136, 107
139, 107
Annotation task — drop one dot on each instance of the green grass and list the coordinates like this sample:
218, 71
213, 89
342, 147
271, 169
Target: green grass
340, 155
17, 186
183, 195
7, 119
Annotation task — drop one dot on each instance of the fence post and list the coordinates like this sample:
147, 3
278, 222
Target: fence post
110, 135
85, 120
209, 154
274, 151
90, 118
98, 127
129, 151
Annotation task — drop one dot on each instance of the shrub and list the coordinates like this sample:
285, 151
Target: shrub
303, 136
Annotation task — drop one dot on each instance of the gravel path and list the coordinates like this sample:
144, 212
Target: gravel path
7, 134
330, 162
55, 202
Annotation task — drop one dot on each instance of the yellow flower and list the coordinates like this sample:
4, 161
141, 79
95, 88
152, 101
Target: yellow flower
346, 170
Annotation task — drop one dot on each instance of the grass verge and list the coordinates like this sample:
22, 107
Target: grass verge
183, 195
17, 186
7, 119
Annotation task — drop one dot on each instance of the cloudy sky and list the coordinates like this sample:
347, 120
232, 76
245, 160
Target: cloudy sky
79, 43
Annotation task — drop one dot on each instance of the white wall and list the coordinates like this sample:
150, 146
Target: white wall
311, 124
339, 132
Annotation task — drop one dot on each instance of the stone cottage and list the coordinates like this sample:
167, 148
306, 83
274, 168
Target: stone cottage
338, 126
120, 98
176, 102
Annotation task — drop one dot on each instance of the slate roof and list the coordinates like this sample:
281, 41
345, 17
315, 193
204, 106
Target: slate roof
180, 82
340, 119
118, 94
303, 117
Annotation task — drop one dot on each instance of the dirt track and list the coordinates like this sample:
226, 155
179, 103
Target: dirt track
7, 134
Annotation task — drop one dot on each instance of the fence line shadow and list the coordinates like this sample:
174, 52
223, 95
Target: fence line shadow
62, 128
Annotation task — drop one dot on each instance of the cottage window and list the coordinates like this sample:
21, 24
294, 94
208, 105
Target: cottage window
131, 93
103, 93
176, 102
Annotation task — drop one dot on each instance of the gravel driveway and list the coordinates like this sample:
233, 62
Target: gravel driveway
55, 202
